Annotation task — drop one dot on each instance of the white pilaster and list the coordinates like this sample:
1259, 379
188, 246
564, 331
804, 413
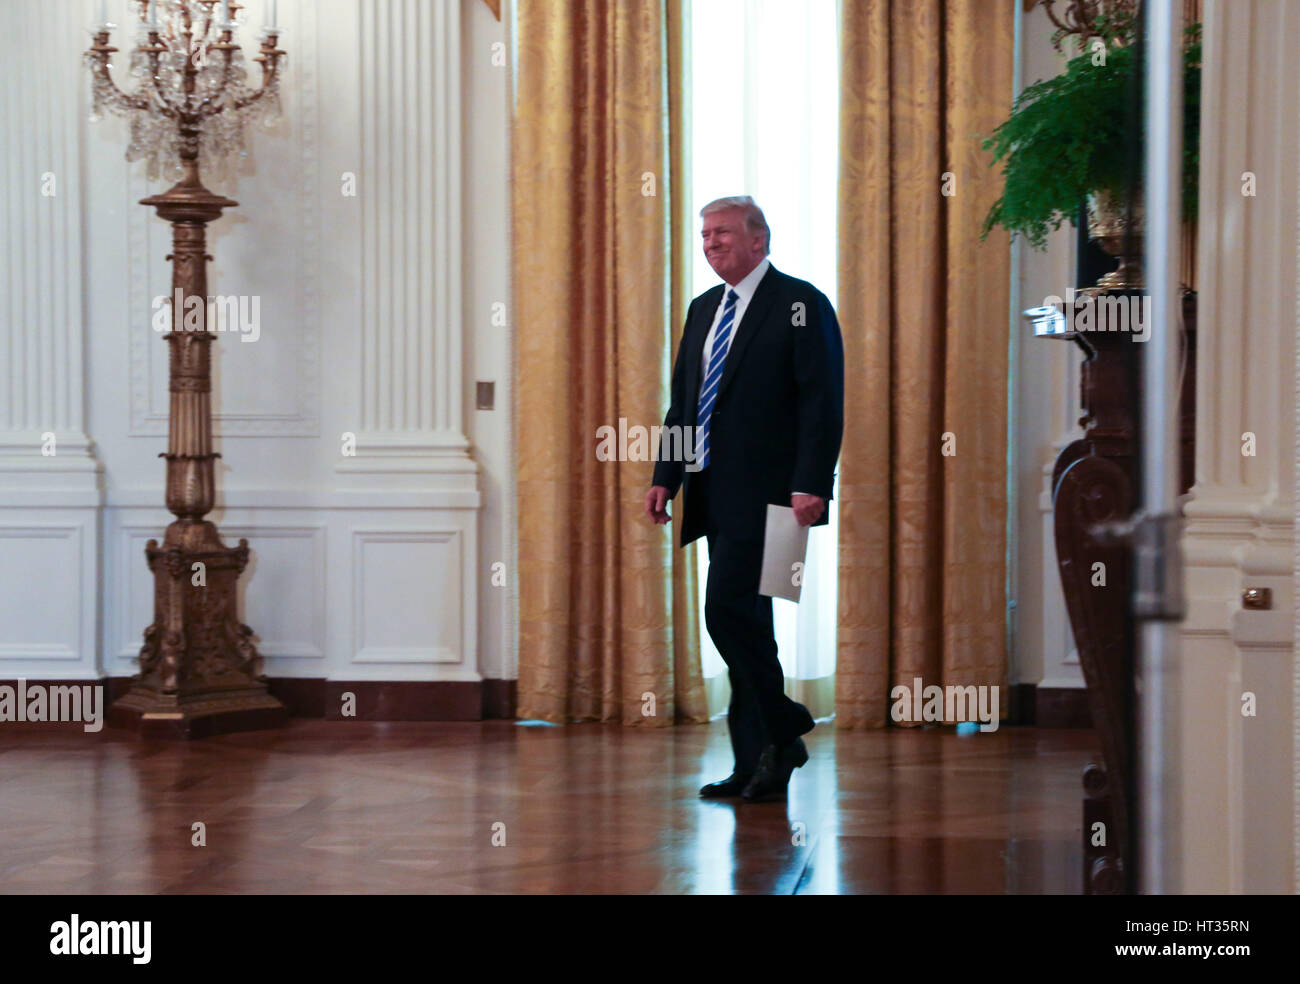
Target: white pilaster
410, 413
1238, 771
49, 475
43, 444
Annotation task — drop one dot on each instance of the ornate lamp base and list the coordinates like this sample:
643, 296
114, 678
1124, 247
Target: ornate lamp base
199, 670
156, 715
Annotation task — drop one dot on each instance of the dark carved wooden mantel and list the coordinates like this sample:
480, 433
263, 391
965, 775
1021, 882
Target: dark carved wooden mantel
1094, 482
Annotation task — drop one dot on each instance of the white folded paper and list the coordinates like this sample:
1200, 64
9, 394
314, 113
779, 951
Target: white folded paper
784, 545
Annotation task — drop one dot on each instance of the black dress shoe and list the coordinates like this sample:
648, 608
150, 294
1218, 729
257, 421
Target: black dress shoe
773, 773
733, 785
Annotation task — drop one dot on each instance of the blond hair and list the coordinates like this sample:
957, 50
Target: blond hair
754, 220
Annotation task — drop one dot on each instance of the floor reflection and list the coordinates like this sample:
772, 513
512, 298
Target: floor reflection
488, 807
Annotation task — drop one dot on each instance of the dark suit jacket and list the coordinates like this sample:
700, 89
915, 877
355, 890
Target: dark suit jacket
778, 420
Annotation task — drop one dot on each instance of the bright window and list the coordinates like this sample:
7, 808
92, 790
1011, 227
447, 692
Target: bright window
763, 103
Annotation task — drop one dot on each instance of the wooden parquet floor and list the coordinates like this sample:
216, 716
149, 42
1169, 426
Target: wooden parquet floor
493, 807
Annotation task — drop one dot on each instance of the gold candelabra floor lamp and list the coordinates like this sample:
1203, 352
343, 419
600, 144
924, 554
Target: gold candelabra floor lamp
200, 673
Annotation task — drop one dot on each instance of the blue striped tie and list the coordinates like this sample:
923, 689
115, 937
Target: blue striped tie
709, 395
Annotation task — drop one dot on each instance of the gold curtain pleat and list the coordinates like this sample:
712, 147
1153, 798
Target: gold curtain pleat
923, 307
607, 607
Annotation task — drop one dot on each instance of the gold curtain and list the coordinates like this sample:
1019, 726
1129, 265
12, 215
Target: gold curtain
607, 606
924, 310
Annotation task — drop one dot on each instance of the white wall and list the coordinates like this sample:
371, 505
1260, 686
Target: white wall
1045, 374
486, 70
50, 519
375, 321
1238, 772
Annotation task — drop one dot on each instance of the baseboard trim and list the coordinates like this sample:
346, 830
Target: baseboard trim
397, 700
374, 700
1051, 707
1020, 710
486, 700
500, 700
304, 696
405, 700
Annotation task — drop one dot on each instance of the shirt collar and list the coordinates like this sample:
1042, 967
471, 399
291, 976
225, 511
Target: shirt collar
745, 289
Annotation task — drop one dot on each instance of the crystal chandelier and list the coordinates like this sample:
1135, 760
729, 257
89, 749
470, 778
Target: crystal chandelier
188, 85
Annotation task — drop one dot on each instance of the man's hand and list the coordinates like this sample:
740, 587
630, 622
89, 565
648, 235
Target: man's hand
807, 508
656, 504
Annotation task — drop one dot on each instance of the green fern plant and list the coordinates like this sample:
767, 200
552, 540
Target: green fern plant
1067, 136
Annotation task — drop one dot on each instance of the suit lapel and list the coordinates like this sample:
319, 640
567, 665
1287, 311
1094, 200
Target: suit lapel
755, 312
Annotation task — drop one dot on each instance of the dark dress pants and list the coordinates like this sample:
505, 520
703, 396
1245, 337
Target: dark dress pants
739, 621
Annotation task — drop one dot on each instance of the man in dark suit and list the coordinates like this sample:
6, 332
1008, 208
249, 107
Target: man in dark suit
759, 385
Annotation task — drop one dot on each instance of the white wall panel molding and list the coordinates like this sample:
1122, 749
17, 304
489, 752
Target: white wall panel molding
128, 593
288, 176
302, 499
1060, 655
282, 592
411, 603
363, 593
48, 609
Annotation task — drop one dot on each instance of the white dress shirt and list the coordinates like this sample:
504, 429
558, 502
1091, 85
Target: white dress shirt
744, 294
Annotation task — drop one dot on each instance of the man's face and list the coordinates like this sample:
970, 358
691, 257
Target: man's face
731, 249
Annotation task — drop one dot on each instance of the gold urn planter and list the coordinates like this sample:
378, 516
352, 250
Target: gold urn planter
1108, 219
